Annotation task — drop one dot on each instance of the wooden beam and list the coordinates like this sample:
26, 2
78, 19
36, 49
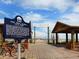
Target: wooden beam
66, 37
56, 38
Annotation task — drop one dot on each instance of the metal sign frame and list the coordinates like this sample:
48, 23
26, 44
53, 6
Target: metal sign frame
16, 28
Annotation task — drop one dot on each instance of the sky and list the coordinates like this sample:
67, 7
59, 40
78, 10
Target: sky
42, 13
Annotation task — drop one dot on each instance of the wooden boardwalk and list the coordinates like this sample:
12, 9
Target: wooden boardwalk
45, 51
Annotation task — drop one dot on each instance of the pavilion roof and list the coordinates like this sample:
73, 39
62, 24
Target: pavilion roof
64, 28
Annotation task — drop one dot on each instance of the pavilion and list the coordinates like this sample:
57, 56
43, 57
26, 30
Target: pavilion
64, 28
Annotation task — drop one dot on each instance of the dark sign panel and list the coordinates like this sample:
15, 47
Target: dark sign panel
16, 28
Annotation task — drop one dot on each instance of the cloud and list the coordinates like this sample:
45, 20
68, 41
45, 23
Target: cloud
61, 5
76, 8
2, 12
40, 22
33, 17
45, 24
1, 21
38, 19
50, 23
71, 19
8, 1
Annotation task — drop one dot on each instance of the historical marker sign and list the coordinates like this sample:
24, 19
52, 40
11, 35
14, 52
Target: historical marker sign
16, 28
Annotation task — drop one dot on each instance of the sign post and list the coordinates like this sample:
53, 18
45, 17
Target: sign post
17, 29
19, 49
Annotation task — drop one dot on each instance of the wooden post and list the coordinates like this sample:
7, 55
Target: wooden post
53, 40
30, 33
66, 37
48, 35
72, 41
56, 38
77, 37
34, 34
